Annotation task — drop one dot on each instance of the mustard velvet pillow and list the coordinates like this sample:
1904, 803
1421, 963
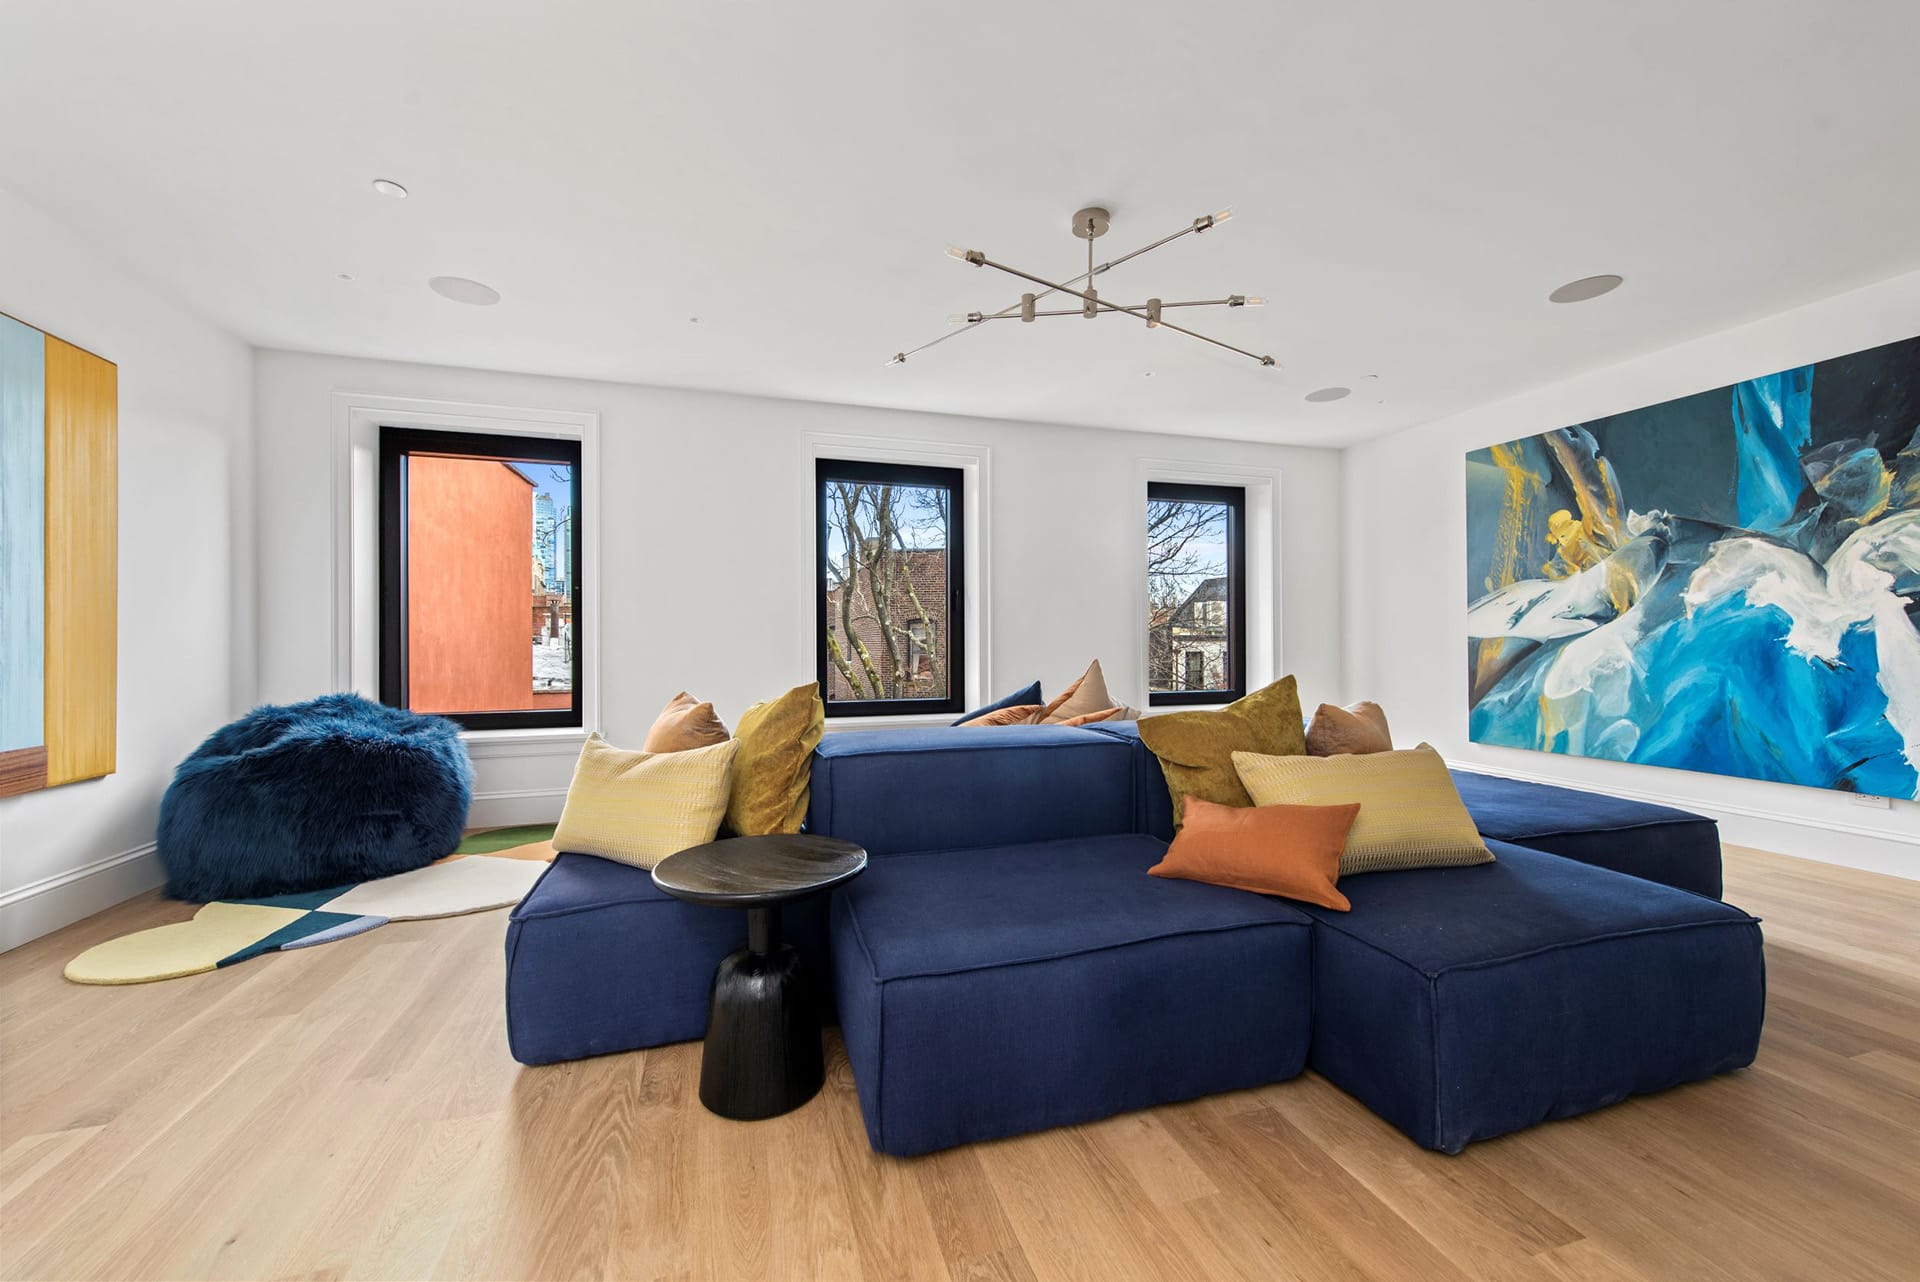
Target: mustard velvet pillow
639, 807
1411, 815
773, 775
1196, 748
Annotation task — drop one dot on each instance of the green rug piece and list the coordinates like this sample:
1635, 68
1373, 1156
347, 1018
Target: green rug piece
488, 840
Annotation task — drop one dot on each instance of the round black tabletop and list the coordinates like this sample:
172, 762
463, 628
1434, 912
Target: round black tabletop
751, 872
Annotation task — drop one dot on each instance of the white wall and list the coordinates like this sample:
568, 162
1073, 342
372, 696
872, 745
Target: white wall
1405, 515
186, 652
704, 511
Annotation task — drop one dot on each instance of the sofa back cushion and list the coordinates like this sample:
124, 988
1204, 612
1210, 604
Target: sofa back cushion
956, 787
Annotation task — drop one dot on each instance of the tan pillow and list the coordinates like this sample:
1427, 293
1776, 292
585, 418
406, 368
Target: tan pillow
1358, 727
774, 774
1196, 748
639, 807
684, 723
1105, 714
1020, 714
1088, 694
1411, 815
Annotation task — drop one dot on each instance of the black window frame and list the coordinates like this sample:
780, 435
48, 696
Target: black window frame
1234, 498
953, 480
395, 444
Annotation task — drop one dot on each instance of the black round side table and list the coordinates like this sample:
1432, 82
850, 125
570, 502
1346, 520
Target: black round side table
762, 1053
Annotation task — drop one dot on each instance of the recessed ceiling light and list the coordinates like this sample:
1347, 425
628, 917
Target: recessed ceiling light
1148, 374
462, 290
388, 187
344, 275
1579, 291
1329, 394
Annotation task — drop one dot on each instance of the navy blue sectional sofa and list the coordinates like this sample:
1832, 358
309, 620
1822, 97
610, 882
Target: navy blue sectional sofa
1005, 964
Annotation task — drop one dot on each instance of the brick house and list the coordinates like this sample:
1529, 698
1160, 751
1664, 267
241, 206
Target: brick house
915, 603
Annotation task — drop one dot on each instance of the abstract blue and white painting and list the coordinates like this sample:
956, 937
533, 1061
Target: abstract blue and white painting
1729, 582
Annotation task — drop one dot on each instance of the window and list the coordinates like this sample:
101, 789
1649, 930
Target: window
891, 587
479, 577
1196, 577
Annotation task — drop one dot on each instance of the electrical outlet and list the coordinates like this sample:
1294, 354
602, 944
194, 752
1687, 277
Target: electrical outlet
1868, 799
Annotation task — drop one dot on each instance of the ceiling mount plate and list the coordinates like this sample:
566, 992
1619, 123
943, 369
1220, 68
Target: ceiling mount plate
1091, 223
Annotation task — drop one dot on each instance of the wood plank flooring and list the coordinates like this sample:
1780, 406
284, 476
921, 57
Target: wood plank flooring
351, 1111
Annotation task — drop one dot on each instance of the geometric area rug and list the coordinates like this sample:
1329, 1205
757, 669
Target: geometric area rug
491, 868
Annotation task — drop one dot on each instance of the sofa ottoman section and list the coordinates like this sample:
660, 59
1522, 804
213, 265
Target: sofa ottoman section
996, 991
1659, 843
599, 959
1464, 1003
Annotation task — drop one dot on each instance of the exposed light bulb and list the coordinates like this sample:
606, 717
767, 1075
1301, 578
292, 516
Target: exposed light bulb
1245, 300
954, 251
965, 318
1223, 215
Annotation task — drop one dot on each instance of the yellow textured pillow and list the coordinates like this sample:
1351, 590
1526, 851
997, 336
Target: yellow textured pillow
1411, 815
639, 807
772, 778
1196, 748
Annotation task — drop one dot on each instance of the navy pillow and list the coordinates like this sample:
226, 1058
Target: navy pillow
1019, 698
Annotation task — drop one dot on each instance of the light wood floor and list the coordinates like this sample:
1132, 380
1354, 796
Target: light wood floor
351, 1111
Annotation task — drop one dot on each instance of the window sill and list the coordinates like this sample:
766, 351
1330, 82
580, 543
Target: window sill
916, 721
563, 742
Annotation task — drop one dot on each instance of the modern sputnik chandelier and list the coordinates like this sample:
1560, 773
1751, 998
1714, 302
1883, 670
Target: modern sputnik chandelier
1090, 225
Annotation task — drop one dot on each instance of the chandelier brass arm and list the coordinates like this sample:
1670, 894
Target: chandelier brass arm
1089, 224
1093, 300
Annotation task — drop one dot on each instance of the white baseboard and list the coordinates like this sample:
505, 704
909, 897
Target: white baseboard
42, 907
516, 806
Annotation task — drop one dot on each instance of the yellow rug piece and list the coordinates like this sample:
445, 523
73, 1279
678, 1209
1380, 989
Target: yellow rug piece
184, 948
540, 851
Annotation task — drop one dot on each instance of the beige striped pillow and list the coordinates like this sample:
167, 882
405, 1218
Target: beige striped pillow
639, 807
1411, 815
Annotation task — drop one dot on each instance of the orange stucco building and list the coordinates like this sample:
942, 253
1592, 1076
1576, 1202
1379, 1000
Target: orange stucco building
469, 559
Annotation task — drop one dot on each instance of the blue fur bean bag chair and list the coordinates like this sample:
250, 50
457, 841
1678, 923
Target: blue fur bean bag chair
338, 789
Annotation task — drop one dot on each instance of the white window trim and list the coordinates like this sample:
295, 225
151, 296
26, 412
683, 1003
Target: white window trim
1262, 570
357, 420
975, 462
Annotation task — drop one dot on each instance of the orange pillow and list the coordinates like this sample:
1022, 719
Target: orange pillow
1105, 714
1020, 714
1270, 850
685, 723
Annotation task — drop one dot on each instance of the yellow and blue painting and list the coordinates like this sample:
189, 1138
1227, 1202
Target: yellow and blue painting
1728, 582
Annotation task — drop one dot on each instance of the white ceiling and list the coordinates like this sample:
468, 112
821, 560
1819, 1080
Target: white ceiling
1409, 181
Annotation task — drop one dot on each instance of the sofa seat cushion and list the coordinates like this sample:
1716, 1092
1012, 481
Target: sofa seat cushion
1463, 1003
599, 959
995, 991
897, 791
1659, 843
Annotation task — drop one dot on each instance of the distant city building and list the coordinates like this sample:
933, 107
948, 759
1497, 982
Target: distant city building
543, 522
563, 552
